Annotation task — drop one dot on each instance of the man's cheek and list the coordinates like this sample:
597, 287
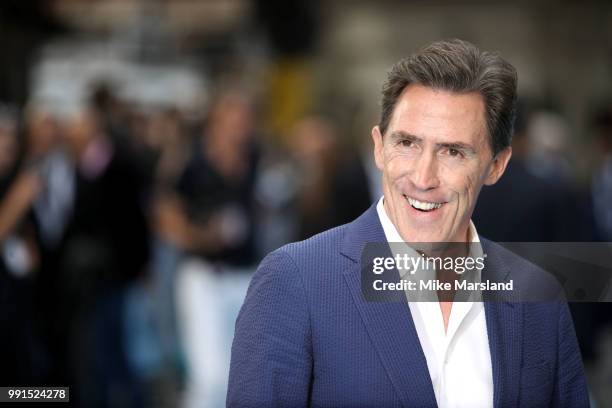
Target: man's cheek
397, 167
460, 181
469, 190
394, 156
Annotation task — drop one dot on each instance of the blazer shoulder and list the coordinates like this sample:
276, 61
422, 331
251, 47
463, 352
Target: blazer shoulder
318, 247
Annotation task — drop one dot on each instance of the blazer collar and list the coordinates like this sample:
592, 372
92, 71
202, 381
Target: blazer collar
504, 328
388, 323
496, 269
365, 229
394, 335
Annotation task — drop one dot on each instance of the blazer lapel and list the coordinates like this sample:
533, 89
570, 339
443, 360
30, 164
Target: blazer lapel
505, 331
389, 323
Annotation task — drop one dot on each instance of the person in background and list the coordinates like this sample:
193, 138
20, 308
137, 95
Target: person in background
103, 247
212, 218
214, 194
602, 181
20, 184
595, 319
329, 174
547, 209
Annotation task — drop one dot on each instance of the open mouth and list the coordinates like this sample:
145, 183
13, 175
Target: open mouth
423, 206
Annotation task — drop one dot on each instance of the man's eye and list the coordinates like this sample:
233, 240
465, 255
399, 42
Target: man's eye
406, 143
454, 152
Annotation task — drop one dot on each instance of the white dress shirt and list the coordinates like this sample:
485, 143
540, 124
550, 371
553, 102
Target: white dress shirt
458, 359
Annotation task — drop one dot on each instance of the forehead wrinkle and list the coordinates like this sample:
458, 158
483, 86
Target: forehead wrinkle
435, 119
441, 136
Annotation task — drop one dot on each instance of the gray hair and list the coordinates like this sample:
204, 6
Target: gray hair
459, 66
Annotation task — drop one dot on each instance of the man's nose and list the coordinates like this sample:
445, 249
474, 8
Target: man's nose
425, 172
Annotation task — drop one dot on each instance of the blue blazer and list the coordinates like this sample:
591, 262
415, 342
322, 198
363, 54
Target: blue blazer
306, 336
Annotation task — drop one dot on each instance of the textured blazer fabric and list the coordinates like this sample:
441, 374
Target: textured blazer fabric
306, 336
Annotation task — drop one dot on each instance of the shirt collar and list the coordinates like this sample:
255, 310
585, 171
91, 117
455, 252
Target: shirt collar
394, 238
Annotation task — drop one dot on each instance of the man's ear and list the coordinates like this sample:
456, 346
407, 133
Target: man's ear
378, 147
500, 162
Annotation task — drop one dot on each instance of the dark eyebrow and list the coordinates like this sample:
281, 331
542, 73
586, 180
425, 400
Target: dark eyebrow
399, 134
458, 146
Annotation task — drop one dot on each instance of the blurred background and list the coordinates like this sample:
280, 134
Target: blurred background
152, 152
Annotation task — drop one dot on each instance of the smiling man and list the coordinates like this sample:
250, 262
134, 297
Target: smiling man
306, 334
435, 155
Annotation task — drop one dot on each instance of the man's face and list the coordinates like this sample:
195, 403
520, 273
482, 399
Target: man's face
435, 157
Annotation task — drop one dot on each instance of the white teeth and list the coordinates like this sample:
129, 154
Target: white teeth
423, 205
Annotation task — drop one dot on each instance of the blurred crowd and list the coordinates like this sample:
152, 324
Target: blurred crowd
114, 222
129, 232
128, 237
